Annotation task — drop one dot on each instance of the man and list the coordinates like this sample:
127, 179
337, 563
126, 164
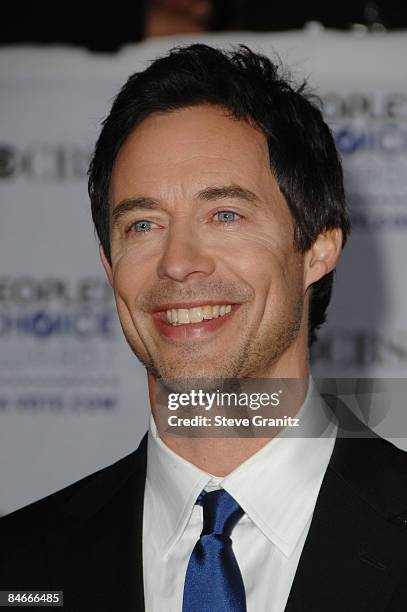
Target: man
217, 196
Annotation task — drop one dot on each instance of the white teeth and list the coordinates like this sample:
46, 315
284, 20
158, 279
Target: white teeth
182, 316
196, 314
207, 312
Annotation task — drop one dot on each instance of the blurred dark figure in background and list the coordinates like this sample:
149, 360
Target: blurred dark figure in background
121, 23
167, 17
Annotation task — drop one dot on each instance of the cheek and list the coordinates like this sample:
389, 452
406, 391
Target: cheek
129, 275
261, 254
273, 269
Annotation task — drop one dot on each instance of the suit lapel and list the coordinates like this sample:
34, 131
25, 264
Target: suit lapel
354, 554
95, 554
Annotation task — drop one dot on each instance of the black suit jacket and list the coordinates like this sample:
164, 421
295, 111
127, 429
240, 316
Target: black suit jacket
87, 539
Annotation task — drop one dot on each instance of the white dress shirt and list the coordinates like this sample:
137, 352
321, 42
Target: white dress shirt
277, 488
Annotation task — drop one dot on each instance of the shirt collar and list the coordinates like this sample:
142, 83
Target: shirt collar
174, 484
277, 486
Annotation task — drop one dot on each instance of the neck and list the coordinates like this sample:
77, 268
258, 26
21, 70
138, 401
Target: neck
220, 456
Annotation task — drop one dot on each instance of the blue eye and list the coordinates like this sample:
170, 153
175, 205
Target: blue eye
141, 226
226, 215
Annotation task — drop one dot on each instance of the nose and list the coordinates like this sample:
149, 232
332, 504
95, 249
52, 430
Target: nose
184, 254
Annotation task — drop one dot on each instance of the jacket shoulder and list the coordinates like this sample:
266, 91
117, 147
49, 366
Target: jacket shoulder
376, 468
23, 533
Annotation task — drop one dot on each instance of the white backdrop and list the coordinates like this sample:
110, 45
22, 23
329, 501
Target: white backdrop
72, 396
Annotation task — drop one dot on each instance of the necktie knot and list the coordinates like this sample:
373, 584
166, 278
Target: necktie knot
221, 512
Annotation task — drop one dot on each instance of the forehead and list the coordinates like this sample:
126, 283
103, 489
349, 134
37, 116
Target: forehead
198, 144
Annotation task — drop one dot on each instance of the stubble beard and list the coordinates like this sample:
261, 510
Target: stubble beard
251, 358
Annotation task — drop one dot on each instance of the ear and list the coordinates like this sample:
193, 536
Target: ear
107, 266
323, 255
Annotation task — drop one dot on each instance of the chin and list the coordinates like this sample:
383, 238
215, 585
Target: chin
189, 373
183, 379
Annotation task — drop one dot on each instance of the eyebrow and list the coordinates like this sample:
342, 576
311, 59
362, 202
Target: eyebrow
131, 204
227, 191
209, 194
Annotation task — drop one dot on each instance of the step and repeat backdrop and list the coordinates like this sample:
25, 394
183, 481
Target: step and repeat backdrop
73, 398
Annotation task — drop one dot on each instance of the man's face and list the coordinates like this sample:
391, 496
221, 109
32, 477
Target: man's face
198, 222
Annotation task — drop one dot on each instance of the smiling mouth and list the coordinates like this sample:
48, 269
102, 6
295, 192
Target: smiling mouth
185, 316
194, 322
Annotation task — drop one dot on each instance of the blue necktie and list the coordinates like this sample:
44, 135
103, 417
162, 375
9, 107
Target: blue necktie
213, 582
